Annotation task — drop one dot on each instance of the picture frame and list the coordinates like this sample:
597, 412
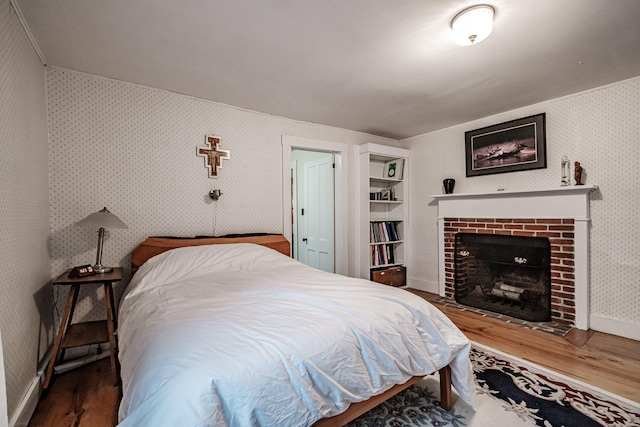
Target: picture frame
393, 169
516, 145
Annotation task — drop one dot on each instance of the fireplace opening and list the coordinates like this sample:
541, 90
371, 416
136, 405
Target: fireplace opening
510, 275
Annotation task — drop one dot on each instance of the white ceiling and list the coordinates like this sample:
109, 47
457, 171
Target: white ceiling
383, 67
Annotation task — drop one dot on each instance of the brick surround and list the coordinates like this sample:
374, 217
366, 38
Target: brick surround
561, 235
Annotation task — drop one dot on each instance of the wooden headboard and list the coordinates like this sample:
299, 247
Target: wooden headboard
153, 246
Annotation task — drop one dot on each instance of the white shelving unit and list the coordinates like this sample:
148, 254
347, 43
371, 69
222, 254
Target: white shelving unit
382, 207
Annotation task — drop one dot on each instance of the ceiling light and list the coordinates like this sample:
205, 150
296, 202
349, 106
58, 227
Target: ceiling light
472, 25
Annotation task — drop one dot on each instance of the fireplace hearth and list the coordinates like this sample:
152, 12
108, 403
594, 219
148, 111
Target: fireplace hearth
505, 274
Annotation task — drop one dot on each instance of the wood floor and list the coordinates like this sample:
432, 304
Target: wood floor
85, 397
605, 361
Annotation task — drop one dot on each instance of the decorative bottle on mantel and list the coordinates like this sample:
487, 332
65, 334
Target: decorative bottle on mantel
565, 171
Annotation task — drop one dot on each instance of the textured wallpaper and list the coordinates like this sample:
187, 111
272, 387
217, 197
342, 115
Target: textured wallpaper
25, 306
600, 129
133, 149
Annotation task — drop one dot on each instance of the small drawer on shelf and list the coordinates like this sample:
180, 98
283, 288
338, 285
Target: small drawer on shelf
392, 276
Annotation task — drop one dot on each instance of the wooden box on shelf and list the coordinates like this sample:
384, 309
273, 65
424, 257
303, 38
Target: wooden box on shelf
392, 276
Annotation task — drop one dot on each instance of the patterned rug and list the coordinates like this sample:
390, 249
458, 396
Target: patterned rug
509, 393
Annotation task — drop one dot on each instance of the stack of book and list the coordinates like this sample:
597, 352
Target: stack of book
383, 231
382, 255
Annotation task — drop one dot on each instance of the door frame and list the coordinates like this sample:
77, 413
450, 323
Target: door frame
341, 152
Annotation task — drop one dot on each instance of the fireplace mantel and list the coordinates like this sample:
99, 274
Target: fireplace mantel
571, 202
578, 189
560, 202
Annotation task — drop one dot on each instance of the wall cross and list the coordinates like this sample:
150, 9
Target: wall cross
213, 155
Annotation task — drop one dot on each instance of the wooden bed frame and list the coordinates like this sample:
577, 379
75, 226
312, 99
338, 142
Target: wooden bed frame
153, 246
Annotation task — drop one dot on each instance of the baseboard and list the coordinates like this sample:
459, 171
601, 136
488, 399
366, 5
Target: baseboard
27, 407
423, 285
615, 327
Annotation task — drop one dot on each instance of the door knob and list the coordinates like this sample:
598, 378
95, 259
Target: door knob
304, 239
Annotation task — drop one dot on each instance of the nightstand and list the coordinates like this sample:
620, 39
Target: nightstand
85, 333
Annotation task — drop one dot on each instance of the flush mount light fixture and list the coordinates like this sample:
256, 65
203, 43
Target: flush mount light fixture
472, 25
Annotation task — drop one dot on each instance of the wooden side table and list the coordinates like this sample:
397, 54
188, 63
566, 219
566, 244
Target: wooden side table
85, 333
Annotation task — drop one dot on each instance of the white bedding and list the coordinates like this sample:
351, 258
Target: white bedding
242, 335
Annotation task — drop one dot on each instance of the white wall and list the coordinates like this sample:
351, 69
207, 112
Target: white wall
133, 149
4, 414
25, 306
600, 129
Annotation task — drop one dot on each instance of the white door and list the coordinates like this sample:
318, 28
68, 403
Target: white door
316, 214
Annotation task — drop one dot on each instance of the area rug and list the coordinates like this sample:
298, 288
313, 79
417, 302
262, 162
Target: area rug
510, 392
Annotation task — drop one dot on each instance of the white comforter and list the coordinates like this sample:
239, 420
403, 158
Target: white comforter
242, 335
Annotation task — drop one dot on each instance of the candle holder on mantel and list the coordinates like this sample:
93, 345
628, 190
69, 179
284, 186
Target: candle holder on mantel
565, 171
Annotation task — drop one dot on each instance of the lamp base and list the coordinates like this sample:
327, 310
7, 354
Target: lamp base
101, 269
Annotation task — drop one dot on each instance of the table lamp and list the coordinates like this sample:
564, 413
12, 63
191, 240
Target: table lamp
101, 220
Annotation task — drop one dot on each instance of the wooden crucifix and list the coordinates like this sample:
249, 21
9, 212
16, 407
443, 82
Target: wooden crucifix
212, 154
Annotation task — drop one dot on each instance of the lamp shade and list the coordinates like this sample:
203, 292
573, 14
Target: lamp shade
472, 25
102, 219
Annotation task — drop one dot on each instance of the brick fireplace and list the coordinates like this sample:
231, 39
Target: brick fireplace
559, 231
559, 214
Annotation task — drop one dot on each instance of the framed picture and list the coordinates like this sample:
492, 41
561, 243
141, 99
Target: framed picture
512, 146
393, 169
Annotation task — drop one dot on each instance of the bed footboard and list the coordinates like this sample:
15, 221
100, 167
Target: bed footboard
359, 408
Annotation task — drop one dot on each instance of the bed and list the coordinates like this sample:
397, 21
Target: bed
232, 331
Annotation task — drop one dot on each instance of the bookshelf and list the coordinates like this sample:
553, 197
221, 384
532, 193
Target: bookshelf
383, 186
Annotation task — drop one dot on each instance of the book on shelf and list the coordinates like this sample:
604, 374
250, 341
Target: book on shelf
391, 231
382, 255
385, 195
383, 231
